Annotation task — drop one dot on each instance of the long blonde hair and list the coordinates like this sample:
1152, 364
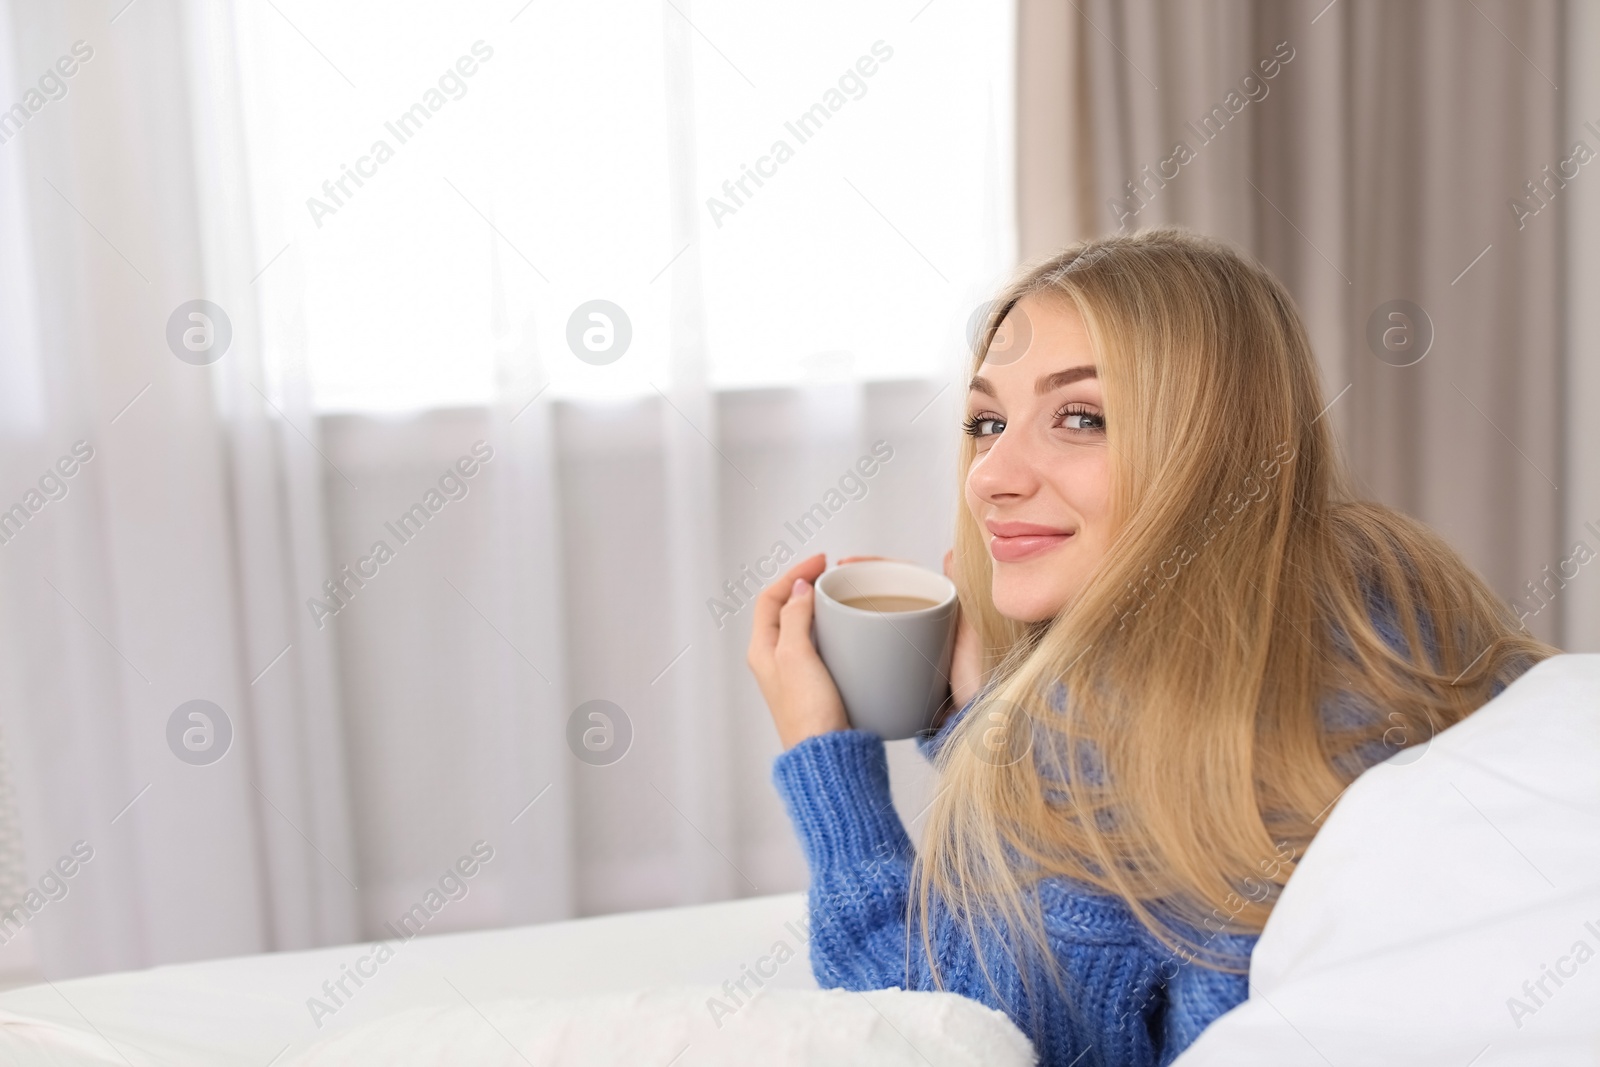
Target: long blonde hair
1162, 738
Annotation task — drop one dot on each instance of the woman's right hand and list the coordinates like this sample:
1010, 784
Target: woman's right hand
794, 681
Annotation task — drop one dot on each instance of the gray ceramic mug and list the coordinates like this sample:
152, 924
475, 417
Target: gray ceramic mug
892, 668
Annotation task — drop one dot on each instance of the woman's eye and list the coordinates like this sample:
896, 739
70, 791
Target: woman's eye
1083, 421
984, 425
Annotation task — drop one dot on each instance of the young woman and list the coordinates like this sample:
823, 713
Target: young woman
1182, 637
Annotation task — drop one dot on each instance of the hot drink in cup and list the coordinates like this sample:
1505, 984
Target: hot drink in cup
886, 630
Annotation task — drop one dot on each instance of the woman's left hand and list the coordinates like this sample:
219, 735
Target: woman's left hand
795, 682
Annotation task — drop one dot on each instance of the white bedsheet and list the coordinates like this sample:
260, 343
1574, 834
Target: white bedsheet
245, 1012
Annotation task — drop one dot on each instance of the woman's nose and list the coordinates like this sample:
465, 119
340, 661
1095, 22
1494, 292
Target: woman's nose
1006, 469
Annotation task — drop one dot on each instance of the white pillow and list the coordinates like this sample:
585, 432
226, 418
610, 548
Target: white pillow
1427, 921
684, 1027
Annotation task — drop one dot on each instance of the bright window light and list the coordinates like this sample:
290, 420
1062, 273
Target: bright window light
444, 188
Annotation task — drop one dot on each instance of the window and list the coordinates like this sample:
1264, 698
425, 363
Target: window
437, 192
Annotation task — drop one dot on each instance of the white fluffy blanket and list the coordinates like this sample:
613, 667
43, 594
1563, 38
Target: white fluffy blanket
680, 1027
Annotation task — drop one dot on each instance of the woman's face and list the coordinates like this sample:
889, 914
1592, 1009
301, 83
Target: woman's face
1039, 485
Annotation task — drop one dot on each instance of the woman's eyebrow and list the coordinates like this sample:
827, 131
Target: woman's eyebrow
1047, 384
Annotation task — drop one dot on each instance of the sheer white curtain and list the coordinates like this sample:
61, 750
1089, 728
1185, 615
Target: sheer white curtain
418, 330
165, 567
775, 334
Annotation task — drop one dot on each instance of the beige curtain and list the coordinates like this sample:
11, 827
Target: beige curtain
1373, 154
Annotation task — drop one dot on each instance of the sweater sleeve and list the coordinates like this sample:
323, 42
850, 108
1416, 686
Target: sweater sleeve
836, 789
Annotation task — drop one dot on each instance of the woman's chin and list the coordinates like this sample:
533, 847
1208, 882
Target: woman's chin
1027, 605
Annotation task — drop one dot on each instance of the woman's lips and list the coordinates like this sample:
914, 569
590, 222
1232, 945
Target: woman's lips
1026, 546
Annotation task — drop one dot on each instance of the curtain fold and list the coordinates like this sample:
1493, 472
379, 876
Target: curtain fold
291, 691
688, 689
165, 574
1366, 153
1581, 321
523, 546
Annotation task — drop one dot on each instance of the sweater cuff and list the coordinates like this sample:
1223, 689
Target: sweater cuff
836, 789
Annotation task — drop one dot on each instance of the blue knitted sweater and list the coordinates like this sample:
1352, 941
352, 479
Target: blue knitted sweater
1134, 1003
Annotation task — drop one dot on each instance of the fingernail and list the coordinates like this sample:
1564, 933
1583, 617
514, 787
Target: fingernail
799, 587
